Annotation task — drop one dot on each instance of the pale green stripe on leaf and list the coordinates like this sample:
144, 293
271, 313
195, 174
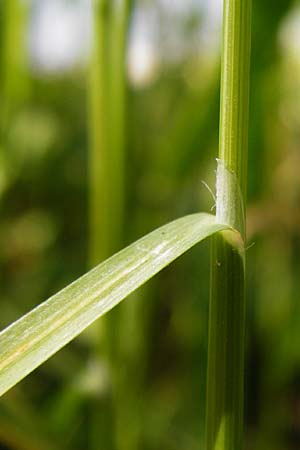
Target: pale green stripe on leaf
35, 337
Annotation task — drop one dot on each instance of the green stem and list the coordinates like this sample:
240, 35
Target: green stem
126, 433
14, 78
107, 162
234, 108
225, 377
14, 83
102, 192
118, 86
101, 188
107, 130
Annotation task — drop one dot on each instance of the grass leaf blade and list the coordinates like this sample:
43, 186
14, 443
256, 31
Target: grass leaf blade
35, 337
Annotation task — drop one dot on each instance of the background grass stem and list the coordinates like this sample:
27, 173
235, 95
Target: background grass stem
101, 192
108, 186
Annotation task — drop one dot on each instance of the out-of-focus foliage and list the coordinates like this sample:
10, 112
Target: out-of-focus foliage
172, 135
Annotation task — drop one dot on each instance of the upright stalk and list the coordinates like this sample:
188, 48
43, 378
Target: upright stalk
107, 102
101, 191
14, 79
118, 85
124, 360
107, 168
13, 15
225, 378
104, 233
107, 127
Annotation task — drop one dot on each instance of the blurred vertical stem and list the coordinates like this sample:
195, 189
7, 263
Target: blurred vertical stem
13, 57
107, 95
14, 79
122, 361
107, 127
101, 170
119, 31
225, 377
102, 204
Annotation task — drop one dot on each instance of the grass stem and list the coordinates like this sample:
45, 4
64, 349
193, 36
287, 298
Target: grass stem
107, 161
225, 377
101, 188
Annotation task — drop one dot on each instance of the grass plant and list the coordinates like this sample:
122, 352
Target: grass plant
35, 337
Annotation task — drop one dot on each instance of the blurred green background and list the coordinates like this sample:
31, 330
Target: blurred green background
157, 400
